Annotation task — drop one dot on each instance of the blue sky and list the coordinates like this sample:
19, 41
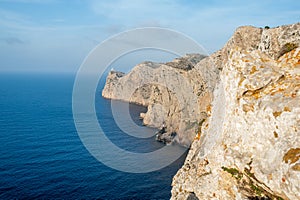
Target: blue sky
56, 35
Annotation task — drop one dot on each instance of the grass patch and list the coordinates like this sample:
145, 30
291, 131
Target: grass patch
234, 172
250, 186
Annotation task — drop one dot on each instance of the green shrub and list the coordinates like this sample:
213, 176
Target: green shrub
287, 48
234, 172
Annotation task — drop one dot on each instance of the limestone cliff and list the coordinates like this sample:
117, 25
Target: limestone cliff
249, 147
176, 93
243, 102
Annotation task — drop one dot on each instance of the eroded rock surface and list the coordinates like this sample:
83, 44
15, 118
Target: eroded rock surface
243, 102
175, 93
250, 145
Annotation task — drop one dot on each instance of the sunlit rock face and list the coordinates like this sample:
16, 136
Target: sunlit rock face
249, 147
176, 93
240, 108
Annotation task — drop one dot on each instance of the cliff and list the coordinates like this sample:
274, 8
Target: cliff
175, 93
249, 147
239, 108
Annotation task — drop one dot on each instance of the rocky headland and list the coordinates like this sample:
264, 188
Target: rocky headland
176, 94
239, 108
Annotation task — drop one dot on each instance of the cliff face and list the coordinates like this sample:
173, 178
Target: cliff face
175, 93
240, 108
249, 147
179, 93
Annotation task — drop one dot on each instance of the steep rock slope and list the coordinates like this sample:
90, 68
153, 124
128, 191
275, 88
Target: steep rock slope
179, 93
249, 147
175, 93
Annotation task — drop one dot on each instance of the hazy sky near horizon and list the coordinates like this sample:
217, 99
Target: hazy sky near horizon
56, 35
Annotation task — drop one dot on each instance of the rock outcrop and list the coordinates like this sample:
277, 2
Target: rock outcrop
176, 93
249, 147
240, 108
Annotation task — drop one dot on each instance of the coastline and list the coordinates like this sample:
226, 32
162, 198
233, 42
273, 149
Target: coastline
252, 61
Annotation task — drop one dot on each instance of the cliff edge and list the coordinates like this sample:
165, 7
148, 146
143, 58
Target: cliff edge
239, 108
174, 93
249, 147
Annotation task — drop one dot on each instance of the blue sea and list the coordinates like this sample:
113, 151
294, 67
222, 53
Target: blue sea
42, 157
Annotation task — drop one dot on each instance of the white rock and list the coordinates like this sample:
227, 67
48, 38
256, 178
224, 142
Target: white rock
254, 125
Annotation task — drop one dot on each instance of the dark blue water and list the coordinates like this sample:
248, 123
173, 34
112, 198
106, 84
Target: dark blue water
42, 157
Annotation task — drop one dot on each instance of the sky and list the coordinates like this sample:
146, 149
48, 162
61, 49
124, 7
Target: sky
56, 35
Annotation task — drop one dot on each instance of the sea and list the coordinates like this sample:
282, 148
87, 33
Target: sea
42, 156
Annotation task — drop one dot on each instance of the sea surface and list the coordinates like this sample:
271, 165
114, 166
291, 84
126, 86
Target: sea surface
42, 157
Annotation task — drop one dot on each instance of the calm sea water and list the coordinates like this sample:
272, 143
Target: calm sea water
42, 157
